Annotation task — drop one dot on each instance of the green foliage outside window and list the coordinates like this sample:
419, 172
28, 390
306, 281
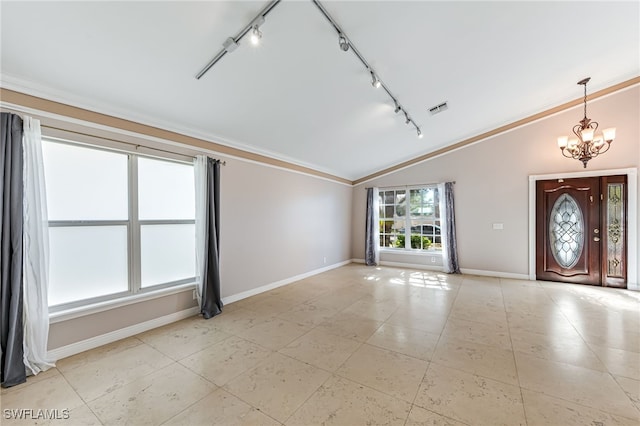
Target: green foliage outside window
415, 241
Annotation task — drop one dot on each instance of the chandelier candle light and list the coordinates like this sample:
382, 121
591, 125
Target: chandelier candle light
587, 145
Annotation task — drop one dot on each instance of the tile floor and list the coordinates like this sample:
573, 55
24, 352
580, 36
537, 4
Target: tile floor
358, 345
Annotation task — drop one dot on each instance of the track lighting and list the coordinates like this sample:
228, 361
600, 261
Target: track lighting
231, 43
256, 35
375, 82
344, 44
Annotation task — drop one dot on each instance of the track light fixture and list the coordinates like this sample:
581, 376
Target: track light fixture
344, 44
375, 81
398, 107
407, 120
256, 35
420, 135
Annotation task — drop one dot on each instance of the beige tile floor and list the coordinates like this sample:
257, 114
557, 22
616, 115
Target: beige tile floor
359, 345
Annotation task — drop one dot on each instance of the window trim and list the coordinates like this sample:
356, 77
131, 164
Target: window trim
135, 291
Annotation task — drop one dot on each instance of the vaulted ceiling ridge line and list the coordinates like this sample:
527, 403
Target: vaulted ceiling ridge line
502, 129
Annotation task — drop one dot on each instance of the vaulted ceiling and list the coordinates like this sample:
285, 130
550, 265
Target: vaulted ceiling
298, 96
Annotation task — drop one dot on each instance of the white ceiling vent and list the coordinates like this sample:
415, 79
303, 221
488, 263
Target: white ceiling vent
439, 108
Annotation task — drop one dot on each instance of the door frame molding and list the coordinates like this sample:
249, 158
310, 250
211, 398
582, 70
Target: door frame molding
632, 217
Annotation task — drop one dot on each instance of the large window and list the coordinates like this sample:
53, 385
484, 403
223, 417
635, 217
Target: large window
119, 223
410, 218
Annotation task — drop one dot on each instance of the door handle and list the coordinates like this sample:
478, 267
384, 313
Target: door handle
595, 231
596, 239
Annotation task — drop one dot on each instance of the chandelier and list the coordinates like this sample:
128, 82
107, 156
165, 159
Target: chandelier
587, 145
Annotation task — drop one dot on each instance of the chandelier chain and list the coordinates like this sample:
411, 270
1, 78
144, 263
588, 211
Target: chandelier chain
585, 100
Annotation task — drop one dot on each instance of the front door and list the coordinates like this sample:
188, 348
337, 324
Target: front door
581, 230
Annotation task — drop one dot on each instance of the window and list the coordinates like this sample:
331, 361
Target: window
119, 223
410, 218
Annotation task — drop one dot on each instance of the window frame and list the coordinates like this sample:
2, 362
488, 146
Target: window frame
133, 225
407, 249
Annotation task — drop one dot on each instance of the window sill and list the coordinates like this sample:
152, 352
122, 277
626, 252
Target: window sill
411, 252
94, 308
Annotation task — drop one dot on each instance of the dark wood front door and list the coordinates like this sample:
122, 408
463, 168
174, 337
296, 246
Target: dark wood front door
581, 230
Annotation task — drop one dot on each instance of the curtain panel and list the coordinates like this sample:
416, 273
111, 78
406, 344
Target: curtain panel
36, 252
372, 231
211, 304
200, 172
12, 368
448, 218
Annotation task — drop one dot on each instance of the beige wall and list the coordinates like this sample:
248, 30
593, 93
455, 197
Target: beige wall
492, 181
276, 224
86, 327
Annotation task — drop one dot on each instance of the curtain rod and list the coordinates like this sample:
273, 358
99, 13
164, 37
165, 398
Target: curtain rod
224, 163
417, 184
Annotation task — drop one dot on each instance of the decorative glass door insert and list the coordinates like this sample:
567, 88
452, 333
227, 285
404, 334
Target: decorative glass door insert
566, 231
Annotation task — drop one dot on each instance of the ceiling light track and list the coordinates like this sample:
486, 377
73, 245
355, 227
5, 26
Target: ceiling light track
231, 43
345, 43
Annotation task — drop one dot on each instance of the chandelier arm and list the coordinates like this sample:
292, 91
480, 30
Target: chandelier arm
606, 148
565, 154
576, 131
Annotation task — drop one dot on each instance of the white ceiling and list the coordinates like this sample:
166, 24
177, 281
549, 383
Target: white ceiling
300, 98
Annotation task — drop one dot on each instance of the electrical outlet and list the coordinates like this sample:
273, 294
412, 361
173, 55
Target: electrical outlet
433, 259
324, 260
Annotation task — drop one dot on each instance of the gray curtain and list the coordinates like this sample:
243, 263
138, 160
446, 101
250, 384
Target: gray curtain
211, 300
13, 371
451, 259
370, 245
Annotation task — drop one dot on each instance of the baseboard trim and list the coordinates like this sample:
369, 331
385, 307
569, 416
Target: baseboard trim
112, 336
411, 265
437, 268
495, 274
271, 286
